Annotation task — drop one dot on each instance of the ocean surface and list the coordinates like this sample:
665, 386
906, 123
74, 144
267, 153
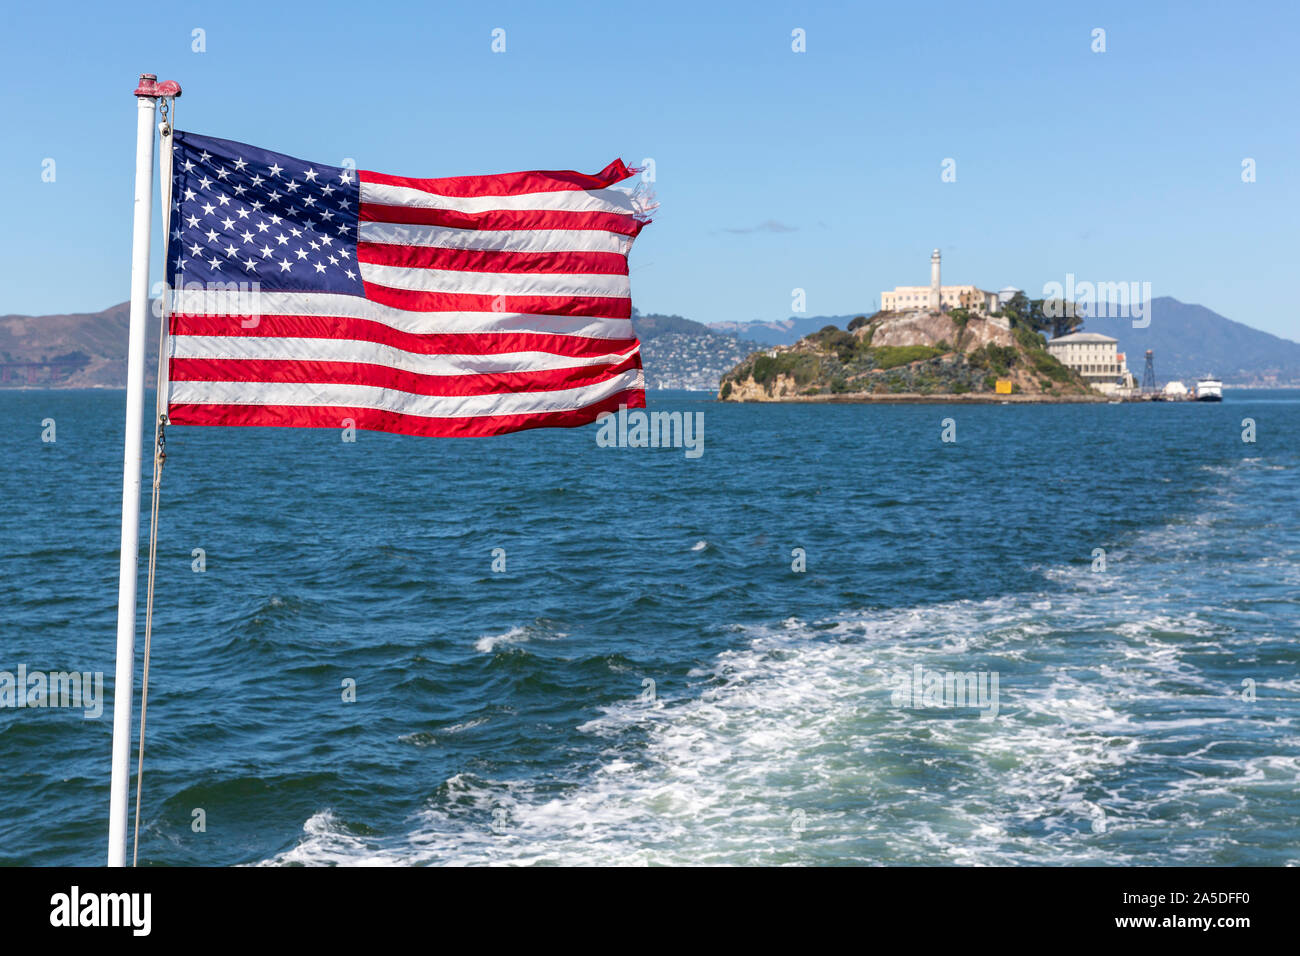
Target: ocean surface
648, 681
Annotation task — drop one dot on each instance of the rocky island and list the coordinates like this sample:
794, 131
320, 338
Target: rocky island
914, 356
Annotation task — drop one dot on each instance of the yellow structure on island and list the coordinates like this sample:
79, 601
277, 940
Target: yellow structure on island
1003, 386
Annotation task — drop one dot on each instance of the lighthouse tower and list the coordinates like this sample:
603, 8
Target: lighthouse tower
934, 281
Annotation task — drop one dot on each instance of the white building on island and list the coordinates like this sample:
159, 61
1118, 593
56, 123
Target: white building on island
937, 297
1097, 358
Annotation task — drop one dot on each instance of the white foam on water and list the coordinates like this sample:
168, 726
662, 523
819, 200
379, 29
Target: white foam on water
425, 738
326, 842
490, 642
520, 634
1113, 744
791, 751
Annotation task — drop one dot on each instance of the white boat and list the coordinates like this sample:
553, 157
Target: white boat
1209, 389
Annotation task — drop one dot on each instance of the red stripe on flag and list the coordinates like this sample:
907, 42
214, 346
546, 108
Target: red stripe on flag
502, 219
367, 330
413, 300
384, 376
506, 184
316, 416
492, 260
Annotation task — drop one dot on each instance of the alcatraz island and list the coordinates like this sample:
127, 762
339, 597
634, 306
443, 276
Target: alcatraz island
940, 343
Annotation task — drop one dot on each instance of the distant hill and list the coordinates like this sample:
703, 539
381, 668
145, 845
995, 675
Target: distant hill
783, 331
649, 326
1190, 341
80, 350
88, 349
681, 353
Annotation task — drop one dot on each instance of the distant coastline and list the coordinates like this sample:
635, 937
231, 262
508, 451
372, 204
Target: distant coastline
934, 398
88, 350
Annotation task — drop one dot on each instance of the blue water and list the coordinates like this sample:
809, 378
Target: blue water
509, 717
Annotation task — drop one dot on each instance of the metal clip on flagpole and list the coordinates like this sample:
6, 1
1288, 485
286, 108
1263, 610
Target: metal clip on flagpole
147, 95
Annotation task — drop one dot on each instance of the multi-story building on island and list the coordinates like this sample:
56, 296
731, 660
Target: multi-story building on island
937, 297
1097, 358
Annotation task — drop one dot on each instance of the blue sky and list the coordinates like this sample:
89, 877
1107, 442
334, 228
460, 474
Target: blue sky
776, 170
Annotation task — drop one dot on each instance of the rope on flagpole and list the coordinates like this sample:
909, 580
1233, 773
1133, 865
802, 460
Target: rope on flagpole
165, 128
160, 455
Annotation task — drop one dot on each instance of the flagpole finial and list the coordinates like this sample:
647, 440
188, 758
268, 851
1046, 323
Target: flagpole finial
149, 86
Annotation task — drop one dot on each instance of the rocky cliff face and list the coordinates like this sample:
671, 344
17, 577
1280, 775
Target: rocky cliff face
936, 328
917, 353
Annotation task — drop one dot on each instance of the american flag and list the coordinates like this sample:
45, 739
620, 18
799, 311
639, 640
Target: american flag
320, 296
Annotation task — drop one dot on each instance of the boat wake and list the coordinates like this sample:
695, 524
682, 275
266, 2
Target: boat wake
1140, 720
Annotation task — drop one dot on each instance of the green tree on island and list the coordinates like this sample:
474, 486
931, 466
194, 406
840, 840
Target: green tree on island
1051, 316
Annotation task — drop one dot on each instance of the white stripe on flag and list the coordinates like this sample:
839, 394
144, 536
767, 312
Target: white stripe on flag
255, 303
566, 200
497, 240
402, 403
496, 283
373, 353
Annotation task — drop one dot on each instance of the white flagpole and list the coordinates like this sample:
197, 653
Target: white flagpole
147, 94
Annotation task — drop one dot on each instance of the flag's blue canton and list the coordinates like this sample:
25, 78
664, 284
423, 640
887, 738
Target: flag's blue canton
246, 215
